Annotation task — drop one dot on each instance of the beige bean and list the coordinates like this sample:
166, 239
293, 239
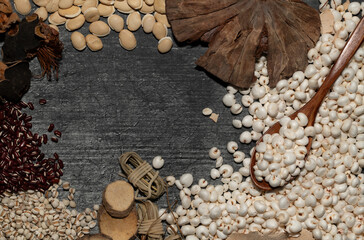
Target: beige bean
94, 43
160, 6
78, 41
79, 2
99, 28
149, 2
148, 22
75, 23
135, 4
54, 27
64, 4
146, 8
134, 21
92, 14
23, 7
71, 12
127, 39
116, 22
162, 18
107, 2
165, 45
42, 13
105, 10
123, 7
159, 30
89, 3
56, 19
41, 3
52, 6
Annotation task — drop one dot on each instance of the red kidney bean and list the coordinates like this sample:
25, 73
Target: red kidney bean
54, 139
42, 101
58, 133
51, 127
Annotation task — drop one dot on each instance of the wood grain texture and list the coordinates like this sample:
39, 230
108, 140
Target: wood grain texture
113, 101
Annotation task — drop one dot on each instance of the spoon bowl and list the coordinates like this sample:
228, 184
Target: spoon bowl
311, 108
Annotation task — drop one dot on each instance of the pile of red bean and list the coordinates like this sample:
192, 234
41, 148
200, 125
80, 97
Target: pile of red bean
22, 164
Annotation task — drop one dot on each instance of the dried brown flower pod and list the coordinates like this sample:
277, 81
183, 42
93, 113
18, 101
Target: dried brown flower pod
7, 16
240, 31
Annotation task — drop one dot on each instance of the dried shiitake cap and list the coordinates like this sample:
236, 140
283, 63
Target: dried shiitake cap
118, 198
92, 14
87, 4
146, 8
123, 7
79, 2
160, 6
99, 28
165, 45
149, 2
71, 12
105, 10
56, 19
22, 6
159, 30
118, 228
52, 6
107, 2
64, 4
98, 236
40, 3
75, 23
162, 18
127, 39
94, 43
134, 21
148, 22
135, 4
78, 41
42, 13
116, 22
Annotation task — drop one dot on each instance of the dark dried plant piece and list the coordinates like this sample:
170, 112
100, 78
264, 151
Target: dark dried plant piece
7, 16
14, 81
240, 31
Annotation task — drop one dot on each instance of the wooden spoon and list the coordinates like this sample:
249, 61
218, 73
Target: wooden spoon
311, 108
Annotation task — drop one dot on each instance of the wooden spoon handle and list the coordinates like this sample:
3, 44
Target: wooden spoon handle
355, 40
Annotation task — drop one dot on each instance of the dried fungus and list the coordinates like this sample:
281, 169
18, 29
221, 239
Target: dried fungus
239, 31
7, 16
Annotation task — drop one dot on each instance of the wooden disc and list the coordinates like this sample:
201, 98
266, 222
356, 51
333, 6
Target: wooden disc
98, 236
118, 199
118, 228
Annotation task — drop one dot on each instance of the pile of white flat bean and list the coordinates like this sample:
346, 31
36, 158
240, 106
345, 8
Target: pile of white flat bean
327, 196
74, 13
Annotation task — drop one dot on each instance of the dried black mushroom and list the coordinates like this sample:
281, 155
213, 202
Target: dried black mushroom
240, 31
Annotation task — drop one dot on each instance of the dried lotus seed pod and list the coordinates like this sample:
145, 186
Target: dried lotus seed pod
23, 7
127, 39
75, 23
134, 21
105, 10
71, 12
92, 14
64, 4
94, 43
99, 28
116, 22
165, 45
78, 41
148, 22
